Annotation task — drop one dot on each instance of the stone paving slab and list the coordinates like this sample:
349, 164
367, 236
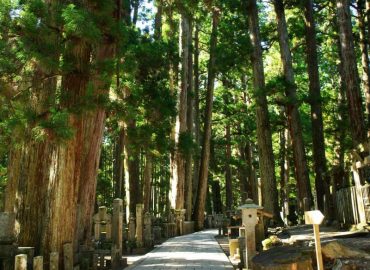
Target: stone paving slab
197, 251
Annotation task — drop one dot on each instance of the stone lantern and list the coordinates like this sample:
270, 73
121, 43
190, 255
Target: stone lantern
250, 220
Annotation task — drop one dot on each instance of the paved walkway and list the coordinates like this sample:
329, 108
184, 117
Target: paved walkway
197, 251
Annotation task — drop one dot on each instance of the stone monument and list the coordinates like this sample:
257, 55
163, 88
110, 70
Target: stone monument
249, 220
102, 224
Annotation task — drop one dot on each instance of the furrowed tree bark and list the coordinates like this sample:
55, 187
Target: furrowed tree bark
148, 181
119, 164
158, 20
295, 127
205, 155
196, 113
178, 184
216, 198
322, 181
190, 127
364, 44
243, 171
350, 73
252, 185
228, 180
52, 184
133, 187
284, 170
135, 5
173, 81
266, 155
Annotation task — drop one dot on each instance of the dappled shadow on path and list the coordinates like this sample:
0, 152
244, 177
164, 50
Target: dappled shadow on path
196, 251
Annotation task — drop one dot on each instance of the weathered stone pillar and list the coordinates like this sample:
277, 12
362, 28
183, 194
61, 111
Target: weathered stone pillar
131, 229
180, 217
54, 261
148, 240
38, 263
117, 226
21, 262
68, 256
139, 224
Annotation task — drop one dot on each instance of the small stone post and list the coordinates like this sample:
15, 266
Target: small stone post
54, 261
180, 217
249, 219
117, 226
68, 256
131, 229
219, 220
38, 263
148, 230
139, 224
21, 262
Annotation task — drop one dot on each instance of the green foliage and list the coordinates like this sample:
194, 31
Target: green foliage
78, 22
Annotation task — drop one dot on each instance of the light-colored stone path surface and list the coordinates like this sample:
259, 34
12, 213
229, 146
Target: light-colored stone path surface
197, 251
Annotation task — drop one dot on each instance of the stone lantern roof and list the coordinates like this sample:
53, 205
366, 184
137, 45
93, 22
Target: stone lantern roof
250, 205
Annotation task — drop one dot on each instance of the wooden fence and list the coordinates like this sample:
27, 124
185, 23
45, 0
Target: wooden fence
351, 203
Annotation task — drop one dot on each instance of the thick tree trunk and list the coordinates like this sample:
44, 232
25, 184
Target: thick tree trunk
51, 184
266, 155
118, 164
252, 185
322, 181
364, 55
350, 73
136, 5
228, 180
190, 127
158, 20
243, 172
148, 181
196, 113
173, 80
216, 198
205, 156
284, 169
132, 170
300, 163
178, 184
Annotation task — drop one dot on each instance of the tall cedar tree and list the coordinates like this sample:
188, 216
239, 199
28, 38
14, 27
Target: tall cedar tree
350, 73
294, 121
200, 201
267, 166
51, 185
321, 176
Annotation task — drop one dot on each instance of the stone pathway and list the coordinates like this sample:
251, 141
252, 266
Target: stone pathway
197, 251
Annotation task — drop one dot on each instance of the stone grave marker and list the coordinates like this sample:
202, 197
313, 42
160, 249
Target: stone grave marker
21, 262
139, 224
148, 239
157, 234
102, 224
117, 224
249, 220
180, 217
